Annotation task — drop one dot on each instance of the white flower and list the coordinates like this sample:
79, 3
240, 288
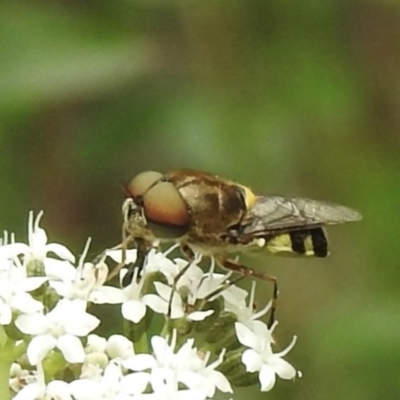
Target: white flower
119, 347
191, 272
209, 286
14, 285
246, 313
38, 246
157, 261
168, 301
185, 366
95, 344
112, 385
133, 306
165, 387
59, 328
86, 282
165, 298
40, 391
116, 346
100, 351
260, 358
194, 372
164, 356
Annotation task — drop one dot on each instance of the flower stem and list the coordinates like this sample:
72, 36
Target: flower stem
142, 345
5, 365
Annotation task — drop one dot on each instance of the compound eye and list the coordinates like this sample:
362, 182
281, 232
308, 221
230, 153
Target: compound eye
164, 207
142, 182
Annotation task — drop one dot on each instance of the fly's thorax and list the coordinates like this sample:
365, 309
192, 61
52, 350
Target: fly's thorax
214, 204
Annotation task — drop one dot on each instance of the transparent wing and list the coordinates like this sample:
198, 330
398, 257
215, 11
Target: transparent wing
280, 214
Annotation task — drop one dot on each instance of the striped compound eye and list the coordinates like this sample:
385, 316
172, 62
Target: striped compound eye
164, 208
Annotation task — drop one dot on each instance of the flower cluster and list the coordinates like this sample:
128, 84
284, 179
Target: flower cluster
186, 334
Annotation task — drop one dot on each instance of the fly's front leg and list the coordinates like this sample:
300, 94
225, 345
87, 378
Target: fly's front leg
142, 250
141, 254
126, 239
187, 251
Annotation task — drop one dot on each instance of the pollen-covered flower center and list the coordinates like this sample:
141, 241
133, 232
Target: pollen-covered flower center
57, 330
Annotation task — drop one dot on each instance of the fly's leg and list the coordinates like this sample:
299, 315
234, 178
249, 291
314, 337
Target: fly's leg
188, 253
142, 250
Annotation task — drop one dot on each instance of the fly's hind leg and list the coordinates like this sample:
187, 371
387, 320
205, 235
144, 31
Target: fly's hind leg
245, 271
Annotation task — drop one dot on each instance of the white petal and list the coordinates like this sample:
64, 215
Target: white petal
122, 396
65, 307
63, 289
133, 310
61, 251
59, 390
101, 272
72, 348
5, 314
161, 349
192, 394
25, 303
12, 250
95, 343
85, 389
194, 380
38, 242
163, 379
245, 336
160, 263
221, 382
283, 368
140, 362
252, 360
187, 354
163, 290
93, 371
199, 315
39, 347
267, 378
33, 324
116, 255
261, 330
32, 391
134, 383
177, 310
59, 269
31, 283
82, 324
119, 346
157, 304
234, 294
112, 375
107, 295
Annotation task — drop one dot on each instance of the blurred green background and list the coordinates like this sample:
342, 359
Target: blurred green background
294, 97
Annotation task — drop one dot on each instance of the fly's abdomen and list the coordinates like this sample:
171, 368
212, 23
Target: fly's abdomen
303, 242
